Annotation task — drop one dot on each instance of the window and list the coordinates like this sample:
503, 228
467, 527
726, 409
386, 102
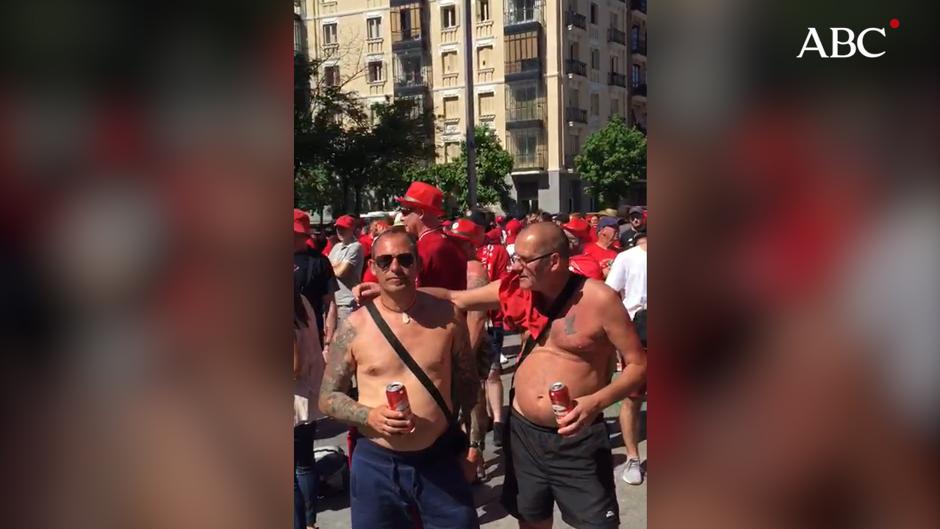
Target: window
331, 75
615, 107
486, 104
449, 16
595, 104
635, 76
593, 13
329, 33
484, 57
614, 62
375, 72
522, 95
300, 7
374, 25
451, 151
450, 109
573, 51
614, 20
483, 10
595, 58
450, 61
522, 51
574, 98
635, 36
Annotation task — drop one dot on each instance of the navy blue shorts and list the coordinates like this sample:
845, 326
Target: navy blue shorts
385, 485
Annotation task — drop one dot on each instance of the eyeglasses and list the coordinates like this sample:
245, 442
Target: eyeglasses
517, 259
405, 211
405, 260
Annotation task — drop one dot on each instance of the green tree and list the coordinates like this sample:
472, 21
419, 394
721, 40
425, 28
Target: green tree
612, 159
493, 163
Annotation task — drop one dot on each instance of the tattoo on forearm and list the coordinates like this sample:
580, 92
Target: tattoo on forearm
476, 281
466, 382
569, 324
337, 379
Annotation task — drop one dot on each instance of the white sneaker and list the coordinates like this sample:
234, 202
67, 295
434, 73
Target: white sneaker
633, 474
503, 359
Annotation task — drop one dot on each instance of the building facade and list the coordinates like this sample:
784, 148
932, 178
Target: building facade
545, 73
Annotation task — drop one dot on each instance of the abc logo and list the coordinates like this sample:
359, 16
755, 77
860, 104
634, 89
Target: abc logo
844, 43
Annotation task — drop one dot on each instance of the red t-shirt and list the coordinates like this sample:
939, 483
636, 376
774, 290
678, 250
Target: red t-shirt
602, 256
443, 264
368, 276
328, 247
366, 242
586, 265
495, 259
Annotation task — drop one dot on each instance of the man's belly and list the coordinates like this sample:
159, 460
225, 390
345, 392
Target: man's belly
543, 368
430, 422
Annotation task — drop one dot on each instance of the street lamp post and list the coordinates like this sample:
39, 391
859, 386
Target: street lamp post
468, 72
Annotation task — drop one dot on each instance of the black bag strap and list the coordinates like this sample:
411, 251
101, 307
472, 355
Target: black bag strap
410, 362
574, 282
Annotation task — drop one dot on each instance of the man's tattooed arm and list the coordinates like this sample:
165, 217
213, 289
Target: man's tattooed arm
466, 382
476, 319
337, 379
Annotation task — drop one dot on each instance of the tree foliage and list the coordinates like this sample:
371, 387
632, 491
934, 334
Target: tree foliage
345, 156
493, 163
612, 159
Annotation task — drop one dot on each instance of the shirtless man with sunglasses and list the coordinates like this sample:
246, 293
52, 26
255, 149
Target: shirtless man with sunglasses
565, 461
404, 458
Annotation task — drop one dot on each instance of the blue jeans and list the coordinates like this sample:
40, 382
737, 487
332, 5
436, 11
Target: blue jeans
385, 485
305, 477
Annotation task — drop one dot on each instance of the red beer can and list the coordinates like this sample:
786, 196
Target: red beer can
397, 397
561, 399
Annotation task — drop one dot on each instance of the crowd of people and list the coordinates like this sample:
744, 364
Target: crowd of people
420, 304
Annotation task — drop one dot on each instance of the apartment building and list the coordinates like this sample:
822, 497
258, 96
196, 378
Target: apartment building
545, 73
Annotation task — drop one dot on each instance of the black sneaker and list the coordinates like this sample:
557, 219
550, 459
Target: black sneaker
498, 434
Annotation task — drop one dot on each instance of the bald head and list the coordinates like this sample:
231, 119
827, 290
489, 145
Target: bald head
546, 237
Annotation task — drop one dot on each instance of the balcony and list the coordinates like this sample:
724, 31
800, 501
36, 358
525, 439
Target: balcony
617, 79
578, 115
523, 69
638, 90
412, 81
406, 39
638, 48
615, 35
526, 115
573, 18
574, 66
522, 15
529, 161
638, 5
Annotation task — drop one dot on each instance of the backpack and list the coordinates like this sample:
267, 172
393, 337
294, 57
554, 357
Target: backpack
333, 470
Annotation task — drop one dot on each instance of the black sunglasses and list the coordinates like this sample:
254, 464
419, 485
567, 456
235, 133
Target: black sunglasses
405, 260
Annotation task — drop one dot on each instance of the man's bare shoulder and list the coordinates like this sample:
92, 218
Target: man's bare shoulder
436, 306
356, 322
597, 293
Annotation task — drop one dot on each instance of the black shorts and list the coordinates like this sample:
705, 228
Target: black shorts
577, 473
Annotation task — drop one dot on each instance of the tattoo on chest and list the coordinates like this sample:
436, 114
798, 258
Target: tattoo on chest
569, 325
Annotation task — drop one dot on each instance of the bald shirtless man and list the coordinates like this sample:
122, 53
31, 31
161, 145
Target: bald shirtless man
404, 460
567, 461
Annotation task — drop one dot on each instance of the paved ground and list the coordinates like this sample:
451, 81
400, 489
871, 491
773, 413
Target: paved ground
334, 511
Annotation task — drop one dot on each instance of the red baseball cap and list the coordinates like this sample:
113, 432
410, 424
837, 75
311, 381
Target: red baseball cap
466, 230
423, 196
346, 221
301, 222
578, 227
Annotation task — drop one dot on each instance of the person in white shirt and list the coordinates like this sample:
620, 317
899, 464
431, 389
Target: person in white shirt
628, 277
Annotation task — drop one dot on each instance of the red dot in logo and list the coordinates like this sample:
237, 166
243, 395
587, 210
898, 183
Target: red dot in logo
895, 23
